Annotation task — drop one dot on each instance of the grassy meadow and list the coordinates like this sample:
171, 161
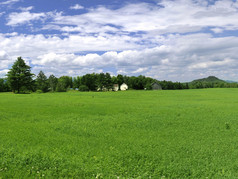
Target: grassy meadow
131, 134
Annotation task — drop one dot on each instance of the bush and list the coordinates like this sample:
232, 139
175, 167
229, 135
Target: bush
83, 88
39, 91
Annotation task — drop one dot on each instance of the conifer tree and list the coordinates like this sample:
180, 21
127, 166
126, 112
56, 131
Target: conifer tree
41, 82
20, 77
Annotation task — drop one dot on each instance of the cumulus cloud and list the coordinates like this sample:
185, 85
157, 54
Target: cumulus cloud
180, 58
170, 40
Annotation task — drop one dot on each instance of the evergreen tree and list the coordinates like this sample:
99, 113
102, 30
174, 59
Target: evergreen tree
20, 76
41, 82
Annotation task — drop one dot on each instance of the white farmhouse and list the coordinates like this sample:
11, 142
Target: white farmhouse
124, 87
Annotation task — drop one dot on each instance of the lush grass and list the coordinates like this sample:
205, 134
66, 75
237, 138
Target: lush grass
132, 134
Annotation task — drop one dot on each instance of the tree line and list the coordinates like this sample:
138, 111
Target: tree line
19, 79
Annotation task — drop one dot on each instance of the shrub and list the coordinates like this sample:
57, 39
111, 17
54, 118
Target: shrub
83, 88
39, 91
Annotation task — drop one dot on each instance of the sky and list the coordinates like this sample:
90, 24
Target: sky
176, 40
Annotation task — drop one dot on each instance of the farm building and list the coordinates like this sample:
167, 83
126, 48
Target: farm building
156, 86
115, 87
123, 87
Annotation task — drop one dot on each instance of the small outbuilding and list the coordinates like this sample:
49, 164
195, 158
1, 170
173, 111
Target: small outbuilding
115, 87
124, 87
156, 86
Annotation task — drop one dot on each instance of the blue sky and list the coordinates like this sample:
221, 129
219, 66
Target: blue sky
178, 40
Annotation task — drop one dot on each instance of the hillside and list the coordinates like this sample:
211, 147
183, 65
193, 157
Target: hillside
210, 82
210, 79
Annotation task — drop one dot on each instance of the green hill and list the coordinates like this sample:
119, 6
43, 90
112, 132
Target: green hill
210, 79
209, 82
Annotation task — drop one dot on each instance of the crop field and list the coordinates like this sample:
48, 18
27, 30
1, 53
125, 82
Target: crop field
131, 134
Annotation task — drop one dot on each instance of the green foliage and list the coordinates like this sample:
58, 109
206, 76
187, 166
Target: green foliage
83, 88
76, 82
211, 82
39, 91
137, 134
212, 79
61, 87
120, 79
90, 80
20, 77
114, 80
52, 82
104, 82
4, 87
148, 86
64, 82
42, 82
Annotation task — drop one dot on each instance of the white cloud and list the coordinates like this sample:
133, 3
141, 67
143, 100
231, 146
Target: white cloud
178, 55
9, 2
76, 7
217, 30
180, 58
20, 18
140, 70
26, 8
5, 60
207, 64
179, 16
3, 73
15, 18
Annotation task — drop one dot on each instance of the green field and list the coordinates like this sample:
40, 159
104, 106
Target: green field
132, 134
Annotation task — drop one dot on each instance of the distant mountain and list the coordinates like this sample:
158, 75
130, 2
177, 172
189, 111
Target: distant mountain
210, 79
229, 81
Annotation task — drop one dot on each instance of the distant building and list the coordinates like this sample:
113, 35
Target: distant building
123, 87
115, 87
102, 89
156, 86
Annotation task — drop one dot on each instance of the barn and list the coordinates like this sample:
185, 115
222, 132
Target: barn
156, 86
124, 87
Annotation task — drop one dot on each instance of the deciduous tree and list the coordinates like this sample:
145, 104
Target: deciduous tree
52, 82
